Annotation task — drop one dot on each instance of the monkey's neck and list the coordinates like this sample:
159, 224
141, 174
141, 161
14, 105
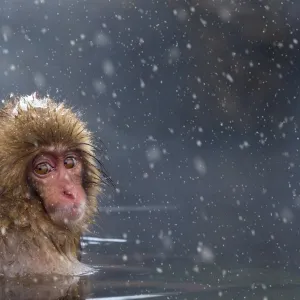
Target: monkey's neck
39, 248
22, 253
30, 243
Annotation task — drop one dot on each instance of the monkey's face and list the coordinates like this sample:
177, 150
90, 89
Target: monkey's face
57, 178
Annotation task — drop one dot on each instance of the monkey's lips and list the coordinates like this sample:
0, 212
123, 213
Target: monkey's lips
67, 212
75, 212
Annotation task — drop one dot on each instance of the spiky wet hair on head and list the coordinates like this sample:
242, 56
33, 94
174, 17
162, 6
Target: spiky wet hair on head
29, 124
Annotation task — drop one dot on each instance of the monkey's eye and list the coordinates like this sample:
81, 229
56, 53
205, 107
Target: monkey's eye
70, 162
42, 169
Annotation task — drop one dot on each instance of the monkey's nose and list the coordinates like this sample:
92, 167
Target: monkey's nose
69, 194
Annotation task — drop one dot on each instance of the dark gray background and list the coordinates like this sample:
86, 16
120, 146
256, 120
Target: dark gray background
197, 104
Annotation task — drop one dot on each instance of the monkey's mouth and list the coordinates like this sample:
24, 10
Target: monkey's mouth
68, 214
76, 211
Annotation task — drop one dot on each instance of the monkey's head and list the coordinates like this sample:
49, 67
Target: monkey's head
47, 163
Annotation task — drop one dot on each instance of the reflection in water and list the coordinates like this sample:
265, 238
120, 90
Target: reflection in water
90, 240
40, 287
137, 208
133, 297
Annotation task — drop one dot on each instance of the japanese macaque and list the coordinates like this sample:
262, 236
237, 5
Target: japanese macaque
49, 181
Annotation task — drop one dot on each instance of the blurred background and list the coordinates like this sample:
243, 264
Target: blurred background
197, 104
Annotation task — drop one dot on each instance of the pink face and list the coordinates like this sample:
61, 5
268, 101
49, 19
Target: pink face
57, 178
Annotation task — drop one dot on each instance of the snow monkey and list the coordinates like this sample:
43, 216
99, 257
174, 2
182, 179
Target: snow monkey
49, 181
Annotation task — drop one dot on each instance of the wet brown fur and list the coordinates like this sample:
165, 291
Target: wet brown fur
26, 231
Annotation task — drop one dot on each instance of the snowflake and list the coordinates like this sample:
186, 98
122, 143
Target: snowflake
28, 101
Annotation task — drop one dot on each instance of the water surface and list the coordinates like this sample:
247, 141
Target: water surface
144, 276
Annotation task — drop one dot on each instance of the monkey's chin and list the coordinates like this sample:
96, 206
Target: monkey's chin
68, 215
